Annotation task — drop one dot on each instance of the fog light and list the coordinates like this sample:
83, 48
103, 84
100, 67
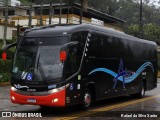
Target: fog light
55, 100
13, 98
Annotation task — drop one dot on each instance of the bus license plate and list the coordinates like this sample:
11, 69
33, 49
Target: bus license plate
31, 100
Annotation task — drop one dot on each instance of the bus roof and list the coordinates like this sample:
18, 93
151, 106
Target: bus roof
54, 30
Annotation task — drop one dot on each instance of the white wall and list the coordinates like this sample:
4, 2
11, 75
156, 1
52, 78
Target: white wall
56, 21
9, 32
24, 23
20, 12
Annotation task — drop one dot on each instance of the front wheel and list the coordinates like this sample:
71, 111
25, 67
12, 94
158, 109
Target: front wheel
87, 99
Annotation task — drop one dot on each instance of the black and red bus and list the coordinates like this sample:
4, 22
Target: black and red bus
65, 65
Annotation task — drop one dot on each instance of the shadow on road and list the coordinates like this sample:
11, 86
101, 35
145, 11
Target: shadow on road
67, 111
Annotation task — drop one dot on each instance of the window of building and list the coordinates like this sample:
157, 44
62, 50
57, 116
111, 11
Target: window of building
27, 12
11, 12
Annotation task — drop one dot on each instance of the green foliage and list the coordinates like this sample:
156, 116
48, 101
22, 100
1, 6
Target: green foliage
5, 70
128, 10
5, 77
10, 41
5, 66
24, 2
150, 31
7, 42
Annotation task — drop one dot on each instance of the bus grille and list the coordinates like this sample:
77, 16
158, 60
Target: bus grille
29, 93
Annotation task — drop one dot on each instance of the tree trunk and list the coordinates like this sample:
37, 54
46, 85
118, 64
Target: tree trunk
6, 24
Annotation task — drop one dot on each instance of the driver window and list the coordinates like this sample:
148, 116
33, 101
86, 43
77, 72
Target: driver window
75, 52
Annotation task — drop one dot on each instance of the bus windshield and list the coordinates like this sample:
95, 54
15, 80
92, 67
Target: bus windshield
37, 59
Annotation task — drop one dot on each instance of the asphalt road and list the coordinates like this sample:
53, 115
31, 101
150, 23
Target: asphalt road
121, 108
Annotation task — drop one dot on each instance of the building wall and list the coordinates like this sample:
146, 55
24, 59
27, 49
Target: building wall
20, 12
56, 21
24, 22
9, 32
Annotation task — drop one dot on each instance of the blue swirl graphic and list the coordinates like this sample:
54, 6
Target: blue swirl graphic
127, 79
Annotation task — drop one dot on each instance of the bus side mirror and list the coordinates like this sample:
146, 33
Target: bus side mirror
63, 51
4, 55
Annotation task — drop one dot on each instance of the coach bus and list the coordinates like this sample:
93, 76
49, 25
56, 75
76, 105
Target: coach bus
64, 65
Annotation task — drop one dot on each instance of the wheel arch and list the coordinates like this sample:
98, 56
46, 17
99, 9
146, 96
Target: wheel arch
145, 83
91, 86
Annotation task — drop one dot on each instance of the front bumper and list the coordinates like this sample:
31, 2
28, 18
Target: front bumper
55, 99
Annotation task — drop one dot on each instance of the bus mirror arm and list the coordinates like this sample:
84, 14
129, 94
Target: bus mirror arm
9, 46
70, 44
4, 54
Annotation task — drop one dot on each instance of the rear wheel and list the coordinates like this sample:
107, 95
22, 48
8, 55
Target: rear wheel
87, 99
141, 92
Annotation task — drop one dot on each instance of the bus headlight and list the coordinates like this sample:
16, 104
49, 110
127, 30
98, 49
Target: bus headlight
13, 89
56, 90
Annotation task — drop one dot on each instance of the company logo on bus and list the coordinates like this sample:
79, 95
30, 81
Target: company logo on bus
125, 76
20, 86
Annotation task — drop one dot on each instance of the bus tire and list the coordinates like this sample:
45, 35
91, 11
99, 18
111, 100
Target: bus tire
87, 99
43, 107
141, 92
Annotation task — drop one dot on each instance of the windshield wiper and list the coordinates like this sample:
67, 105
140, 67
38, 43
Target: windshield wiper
40, 68
38, 61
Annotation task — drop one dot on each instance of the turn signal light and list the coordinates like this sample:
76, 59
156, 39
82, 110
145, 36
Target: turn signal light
4, 55
63, 56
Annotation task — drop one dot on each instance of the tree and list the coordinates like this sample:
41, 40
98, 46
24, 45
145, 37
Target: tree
24, 2
150, 31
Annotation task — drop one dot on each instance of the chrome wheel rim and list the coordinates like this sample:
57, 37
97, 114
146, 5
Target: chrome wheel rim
87, 99
142, 91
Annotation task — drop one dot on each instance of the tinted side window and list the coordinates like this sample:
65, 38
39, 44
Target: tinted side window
100, 46
107, 46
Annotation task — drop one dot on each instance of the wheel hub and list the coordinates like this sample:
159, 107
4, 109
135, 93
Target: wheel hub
87, 99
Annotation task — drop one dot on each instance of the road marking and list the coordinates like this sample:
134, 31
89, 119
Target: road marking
85, 113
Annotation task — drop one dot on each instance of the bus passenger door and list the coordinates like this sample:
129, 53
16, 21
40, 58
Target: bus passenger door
96, 63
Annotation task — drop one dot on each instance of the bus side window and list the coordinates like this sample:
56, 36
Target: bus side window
107, 46
120, 48
100, 46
